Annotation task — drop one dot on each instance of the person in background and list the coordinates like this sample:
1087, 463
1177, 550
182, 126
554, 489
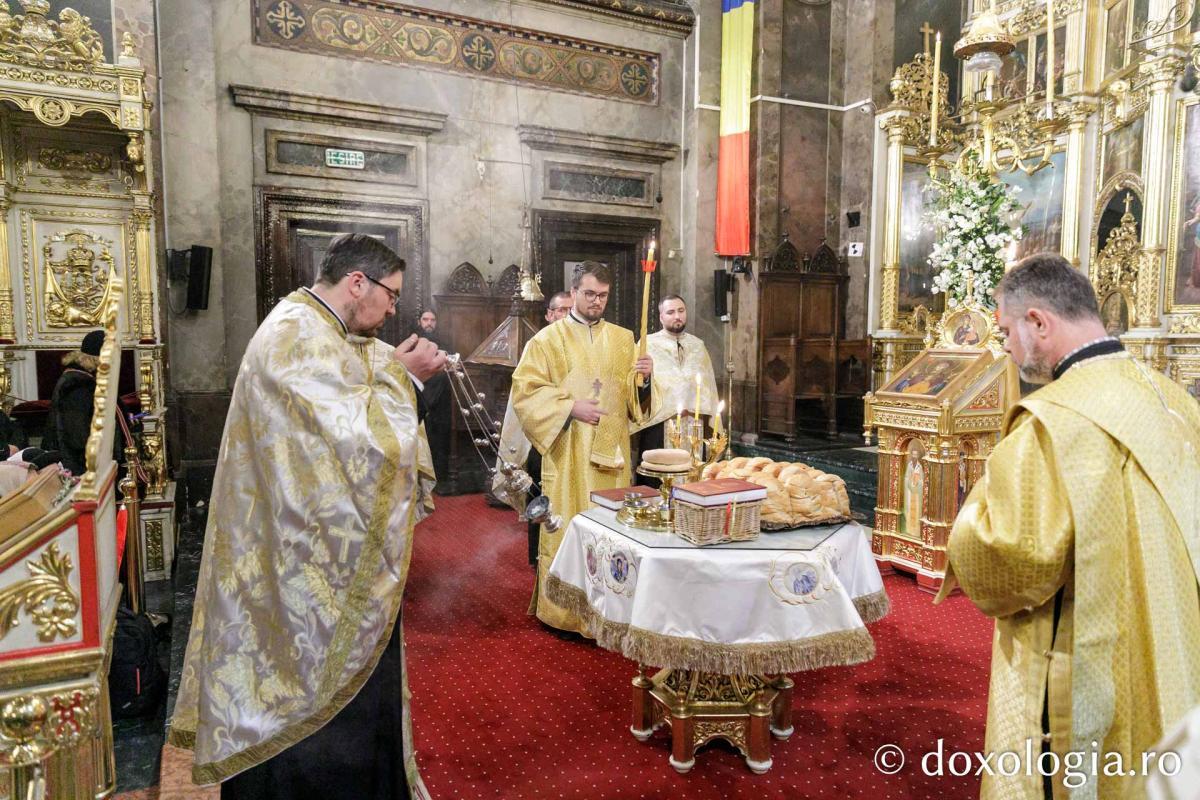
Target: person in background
72, 403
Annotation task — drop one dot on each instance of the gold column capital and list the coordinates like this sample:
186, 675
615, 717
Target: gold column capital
1163, 70
1080, 112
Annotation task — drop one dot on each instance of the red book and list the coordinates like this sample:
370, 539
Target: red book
720, 491
614, 498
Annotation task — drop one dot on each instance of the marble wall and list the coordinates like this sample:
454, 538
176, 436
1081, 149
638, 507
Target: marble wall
809, 165
212, 157
822, 71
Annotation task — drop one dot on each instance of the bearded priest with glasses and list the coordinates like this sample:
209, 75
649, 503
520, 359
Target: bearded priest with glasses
292, 684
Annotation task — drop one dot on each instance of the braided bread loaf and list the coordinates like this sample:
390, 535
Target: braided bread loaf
797, 494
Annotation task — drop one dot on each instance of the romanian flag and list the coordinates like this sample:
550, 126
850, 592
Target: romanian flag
733, 159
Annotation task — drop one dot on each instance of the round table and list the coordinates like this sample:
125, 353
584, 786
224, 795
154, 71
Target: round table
726, 623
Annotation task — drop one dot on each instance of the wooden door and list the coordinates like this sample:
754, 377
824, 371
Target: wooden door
563, 239
294, 229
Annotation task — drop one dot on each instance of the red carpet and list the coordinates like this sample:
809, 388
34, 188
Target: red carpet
502, 708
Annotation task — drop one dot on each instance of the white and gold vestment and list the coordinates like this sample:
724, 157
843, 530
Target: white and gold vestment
309, 536
677, 362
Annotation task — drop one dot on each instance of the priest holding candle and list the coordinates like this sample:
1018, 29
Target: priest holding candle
578, 388
683, 376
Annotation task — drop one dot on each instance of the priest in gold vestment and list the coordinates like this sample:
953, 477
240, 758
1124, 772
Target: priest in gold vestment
575, 393
1082, 539
292, 685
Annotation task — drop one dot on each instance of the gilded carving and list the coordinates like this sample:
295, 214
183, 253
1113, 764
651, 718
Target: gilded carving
1188, 324
8, 325
79, 283
1118, 261
155, 562
67, 160
446, 42
88, 83
133, 151
46, 595
733, 732
52, 111
132, 119
69, 43
34, 725
154, 463
1032, 16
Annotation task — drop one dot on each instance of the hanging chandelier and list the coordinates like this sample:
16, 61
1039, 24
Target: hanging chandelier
1001, 134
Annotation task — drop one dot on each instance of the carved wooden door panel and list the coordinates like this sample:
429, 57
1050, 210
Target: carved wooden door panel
294, 230
562, 240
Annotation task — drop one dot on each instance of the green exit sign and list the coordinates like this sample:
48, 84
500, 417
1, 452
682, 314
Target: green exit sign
344, 159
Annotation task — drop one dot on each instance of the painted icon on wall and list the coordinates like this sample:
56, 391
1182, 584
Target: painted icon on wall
1184, 279
917, 236
1041, 201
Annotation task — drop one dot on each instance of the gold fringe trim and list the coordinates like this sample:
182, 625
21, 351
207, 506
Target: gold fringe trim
873, 607
841, 648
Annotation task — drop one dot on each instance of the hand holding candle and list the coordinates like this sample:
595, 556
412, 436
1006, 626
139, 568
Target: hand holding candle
648, 270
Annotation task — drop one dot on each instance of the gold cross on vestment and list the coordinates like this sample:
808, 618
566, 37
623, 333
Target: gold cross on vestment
347, 536
928, 31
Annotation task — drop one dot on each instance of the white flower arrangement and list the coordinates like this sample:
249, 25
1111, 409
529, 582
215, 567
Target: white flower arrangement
969, 216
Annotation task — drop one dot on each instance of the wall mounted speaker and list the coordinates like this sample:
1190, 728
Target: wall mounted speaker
199, 274
721, 285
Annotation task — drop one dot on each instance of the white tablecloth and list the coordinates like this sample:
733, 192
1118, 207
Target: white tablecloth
785, 602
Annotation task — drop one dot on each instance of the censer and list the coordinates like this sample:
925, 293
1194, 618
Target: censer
485, 433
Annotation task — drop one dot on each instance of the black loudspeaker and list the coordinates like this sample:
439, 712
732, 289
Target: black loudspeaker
199, 273
721, 292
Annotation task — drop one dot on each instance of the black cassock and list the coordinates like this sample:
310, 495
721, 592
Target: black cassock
357, 755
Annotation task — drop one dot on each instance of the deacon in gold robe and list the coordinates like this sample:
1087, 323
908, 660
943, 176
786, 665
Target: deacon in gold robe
292, 685
1082, 539
575, 393
514, 444
679, 358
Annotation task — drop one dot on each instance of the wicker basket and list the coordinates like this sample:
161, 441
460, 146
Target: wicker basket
710, 524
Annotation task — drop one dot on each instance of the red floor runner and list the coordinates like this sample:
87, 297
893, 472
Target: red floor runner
502, 708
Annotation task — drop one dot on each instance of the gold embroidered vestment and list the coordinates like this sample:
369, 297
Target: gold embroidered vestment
1092, 492
566, 361
308, 542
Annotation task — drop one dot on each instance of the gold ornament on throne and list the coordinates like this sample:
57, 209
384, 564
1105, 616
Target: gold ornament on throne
78, 284
30, 38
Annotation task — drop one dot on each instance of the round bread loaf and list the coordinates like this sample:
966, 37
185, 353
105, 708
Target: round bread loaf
758, 462
667, 456
774, 468
737, 463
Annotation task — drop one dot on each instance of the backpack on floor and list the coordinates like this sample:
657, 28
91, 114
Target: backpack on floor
135, 680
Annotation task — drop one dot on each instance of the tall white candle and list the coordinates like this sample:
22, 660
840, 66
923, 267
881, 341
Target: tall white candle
1049, 59
935, 85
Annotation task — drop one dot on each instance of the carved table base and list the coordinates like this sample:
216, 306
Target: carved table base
744, 710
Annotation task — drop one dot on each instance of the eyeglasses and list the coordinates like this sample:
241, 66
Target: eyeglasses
592, 297
392, 293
